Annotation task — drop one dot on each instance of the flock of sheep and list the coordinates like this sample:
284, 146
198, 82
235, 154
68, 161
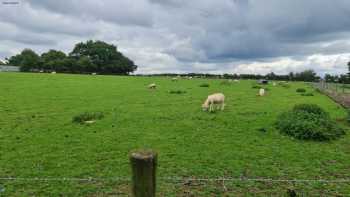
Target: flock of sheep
214, 101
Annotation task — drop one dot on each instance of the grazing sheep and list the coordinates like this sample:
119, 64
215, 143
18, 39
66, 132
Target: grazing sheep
152, 86
93, 73
274, 84
261, 92
53, 72
174, 79
236, 80
217, 99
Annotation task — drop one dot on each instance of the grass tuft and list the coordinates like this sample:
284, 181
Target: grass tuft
87, 117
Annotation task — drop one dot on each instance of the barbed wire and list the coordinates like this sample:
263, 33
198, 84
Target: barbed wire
178, 179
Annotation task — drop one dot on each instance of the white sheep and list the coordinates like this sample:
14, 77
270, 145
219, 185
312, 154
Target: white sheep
261, 92
174, 79
236, 80
274, 83
152, 86
93, 73
53, 72
217, 99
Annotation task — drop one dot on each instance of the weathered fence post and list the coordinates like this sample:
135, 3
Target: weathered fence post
143, 166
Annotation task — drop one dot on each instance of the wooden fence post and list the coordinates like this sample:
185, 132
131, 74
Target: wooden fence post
143, 166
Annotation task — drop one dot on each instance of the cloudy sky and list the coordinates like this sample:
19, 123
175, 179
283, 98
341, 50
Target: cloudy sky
211, 36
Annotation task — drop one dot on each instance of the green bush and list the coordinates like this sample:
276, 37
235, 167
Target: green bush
177, 92
300, 90
205, 85
284, 84
308, 122
310, 108
87, 116
307, 94
256, 87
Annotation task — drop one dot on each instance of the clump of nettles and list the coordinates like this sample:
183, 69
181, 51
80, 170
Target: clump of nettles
204, 85
284, 84
88, 117
309, 122
256, 86
177, 91
307, 94
300, 90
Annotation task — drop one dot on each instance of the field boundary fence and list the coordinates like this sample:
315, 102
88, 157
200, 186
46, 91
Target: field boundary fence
143, 179
175, 179
339, 92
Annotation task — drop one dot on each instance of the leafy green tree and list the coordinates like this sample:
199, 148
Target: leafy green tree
271, 76
291, 76
27, 60
307, 75
52, 60
15, 60
105, 58
85, 64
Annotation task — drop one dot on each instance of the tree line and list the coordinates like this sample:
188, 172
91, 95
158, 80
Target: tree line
307, 75
342, 78
89, 57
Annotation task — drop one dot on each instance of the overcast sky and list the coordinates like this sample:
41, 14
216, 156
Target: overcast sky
212, 36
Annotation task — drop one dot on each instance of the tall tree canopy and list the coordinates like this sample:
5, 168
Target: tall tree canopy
53, 60
307, 75
91, 56
27, 60
101, 57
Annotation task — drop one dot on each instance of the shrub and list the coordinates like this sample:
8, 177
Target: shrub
285, 85
307, 94
310, 108
205, 85
256, 87
301, 90
177, 92
308, 122
87, 116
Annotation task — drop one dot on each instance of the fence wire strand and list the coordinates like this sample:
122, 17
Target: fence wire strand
179, 179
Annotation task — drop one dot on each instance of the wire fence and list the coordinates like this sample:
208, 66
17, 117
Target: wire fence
339, 88
340, 93
177, 179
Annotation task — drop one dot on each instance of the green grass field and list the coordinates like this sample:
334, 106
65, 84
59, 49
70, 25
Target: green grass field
38, 138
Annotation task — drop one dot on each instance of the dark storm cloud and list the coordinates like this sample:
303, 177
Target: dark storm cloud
197, 35
119, 12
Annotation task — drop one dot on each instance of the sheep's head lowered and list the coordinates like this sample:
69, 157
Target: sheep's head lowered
205, 106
